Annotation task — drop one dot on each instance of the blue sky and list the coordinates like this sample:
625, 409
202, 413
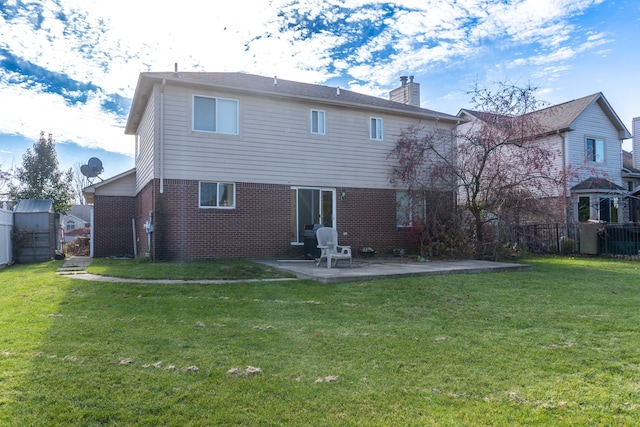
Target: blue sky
69, 67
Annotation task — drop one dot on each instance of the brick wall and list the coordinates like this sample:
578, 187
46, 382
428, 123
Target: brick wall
259, 226
368, 216
144, 203
113, 232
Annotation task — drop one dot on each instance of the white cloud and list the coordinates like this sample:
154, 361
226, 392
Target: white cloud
108, 43
87, 125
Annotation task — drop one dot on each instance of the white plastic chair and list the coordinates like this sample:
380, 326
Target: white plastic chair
330, 250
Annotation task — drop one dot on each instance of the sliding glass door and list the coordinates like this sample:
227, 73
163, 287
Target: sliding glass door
311, 206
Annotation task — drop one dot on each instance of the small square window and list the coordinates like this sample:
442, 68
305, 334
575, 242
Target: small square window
376, 128
217, 195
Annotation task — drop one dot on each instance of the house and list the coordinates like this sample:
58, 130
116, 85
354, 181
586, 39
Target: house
588, 135
631, 172
76, 222
240, 165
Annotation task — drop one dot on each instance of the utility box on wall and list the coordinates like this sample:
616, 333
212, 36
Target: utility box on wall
35, 223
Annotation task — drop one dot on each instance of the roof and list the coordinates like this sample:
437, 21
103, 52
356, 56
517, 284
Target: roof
561, 117
82, 212
268, 86
89, 191
627, 163
594, 183
34, 206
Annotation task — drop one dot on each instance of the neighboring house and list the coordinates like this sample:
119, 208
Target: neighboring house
589, 136
239, 165
631, 172
76, 222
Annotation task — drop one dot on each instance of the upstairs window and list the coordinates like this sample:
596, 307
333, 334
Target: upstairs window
70, 225
217, 195
317, 122
595, 150
218, 115
376, 128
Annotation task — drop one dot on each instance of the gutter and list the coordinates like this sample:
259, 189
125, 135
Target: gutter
161, 138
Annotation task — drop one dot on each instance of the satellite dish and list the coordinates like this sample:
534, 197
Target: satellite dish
93, 168
84, 169
95, 164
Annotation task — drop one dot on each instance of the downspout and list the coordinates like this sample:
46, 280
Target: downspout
565, 195
91, 230
161, 138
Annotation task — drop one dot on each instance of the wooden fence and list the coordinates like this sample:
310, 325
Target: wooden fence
6, 226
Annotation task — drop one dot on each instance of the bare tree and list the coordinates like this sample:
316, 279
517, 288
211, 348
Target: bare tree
80, 181
501, 164
5, 179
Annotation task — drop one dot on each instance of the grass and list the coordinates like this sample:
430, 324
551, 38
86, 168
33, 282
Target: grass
185, 270
554, 346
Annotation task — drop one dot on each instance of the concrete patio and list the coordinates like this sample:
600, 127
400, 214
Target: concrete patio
385, 268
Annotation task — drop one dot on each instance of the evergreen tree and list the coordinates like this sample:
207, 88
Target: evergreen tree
39, 177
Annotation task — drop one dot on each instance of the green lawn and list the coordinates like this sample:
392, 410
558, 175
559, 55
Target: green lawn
558, 345
235, 269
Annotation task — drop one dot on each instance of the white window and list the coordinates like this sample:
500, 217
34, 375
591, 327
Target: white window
217, 195
584, 208
404, 216
376, 128
595, 150
70, 225
608, 209
218, 115
317, 122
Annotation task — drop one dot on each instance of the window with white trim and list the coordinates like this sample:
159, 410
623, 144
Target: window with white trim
70, 225
217, 195
219, 115
608, 209
404, 214
595, 150
376, 128
317, 122
584, 208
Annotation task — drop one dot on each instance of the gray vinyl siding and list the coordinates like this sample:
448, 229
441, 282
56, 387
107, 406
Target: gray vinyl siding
126, 186
593, 123
145, 159
274, 144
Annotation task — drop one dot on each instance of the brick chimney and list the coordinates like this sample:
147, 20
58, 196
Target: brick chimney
635, 148
407, 93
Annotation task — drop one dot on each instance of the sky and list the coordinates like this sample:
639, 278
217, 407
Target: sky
70, 67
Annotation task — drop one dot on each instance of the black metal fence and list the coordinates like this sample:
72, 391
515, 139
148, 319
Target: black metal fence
609, 239
548, 238
619, 239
